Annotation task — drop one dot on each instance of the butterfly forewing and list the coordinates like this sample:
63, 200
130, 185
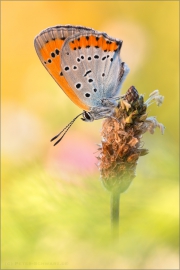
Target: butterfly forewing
48, 45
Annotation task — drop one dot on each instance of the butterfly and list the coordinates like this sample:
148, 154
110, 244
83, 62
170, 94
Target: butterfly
86, 65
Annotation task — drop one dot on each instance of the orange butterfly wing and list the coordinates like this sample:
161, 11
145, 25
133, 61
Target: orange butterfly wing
48, 45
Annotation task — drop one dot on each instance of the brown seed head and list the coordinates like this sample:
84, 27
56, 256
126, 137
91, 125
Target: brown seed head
120, 147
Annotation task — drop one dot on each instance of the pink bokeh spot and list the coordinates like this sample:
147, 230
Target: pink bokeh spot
74, 154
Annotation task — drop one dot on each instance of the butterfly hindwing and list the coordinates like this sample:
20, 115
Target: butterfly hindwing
91, 64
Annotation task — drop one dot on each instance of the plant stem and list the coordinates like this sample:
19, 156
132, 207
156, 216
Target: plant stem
115, 196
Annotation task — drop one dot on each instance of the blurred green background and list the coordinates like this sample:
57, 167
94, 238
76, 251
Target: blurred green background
55, 211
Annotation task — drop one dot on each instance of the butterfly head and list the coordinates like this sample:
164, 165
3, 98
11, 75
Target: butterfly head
99, 112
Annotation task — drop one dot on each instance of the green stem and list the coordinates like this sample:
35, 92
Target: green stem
115, 196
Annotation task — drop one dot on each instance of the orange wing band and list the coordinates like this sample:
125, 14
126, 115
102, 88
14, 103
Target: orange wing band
51, 60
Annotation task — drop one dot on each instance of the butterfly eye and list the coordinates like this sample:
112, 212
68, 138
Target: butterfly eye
87, 117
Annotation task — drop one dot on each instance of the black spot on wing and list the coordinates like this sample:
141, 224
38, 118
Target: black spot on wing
87, 95
78, 85
87, 72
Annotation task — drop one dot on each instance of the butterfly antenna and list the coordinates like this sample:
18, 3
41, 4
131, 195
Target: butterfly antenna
64, 130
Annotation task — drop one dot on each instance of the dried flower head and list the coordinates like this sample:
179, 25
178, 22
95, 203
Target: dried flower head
121, 144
